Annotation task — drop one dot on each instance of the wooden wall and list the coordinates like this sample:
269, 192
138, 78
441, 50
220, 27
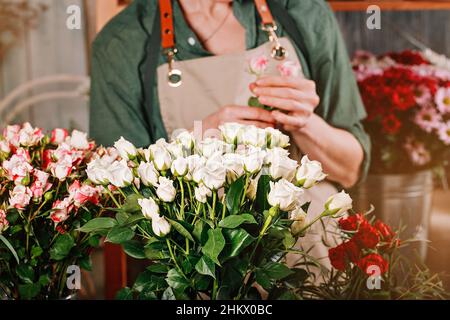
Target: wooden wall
50, 48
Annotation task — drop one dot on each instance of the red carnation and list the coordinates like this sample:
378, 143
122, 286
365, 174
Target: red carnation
352, 222
372, 260
408, 57
391, 124
367, 237
384, 230
352, 250
338, 257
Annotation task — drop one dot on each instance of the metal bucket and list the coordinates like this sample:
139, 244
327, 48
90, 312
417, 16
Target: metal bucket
401, 200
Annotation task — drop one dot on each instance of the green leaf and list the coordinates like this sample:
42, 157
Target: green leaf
158, 268
44, 280
176, 280
234, 196
120, 234
25, 273
122, 217
254, 102
214, 245
10, 247
86, 263
124, 294
94, 241
262, 192
263, 279
276, 271
134, 249
62, 246
201, 282
182, 230
131, 204
29, 290
232, 222
134, 218
36, 251
236, 240
168, 294
98, 224
200, 231
297, 278
206, 266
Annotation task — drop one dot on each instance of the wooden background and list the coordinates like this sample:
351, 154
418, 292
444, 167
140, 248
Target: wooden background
51, 49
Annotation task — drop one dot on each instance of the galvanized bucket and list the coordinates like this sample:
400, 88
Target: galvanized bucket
401, 200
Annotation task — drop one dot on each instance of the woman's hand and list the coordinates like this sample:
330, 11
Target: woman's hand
295, 96
245, 115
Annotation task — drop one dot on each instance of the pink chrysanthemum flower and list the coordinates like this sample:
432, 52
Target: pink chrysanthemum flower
444, 132
442, 99
417, 152
428, 119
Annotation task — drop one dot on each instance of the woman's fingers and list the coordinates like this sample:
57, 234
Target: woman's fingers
258, 124
286, 104
287, 93
279, 81
248, 113
290, 121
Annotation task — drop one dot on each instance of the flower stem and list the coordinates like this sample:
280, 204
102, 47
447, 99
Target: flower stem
247, 177
173, 256
213, 211
182, 198
112, 197
323, 214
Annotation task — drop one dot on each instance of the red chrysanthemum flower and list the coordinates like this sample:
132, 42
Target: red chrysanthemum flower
372, 264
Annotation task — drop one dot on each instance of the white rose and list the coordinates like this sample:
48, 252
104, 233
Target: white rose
232, 132
254, 136
125, 148
97, 171
194, 163
234, 165
161, 158
338, 203
254, 160
78, 140
252, 188
202, 193
285, 195
148, 174
211, 146
160, 226
175, 150
121, 174
4, 147
149, 208
275, 138
214, 173
300, 222
179, 167
309, 173
281, 166
186, 140
166, 191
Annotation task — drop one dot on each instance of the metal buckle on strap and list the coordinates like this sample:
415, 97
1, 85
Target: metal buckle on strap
278, 51
174, 76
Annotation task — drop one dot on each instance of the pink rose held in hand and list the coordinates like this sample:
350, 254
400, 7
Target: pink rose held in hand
258, 64
289, 69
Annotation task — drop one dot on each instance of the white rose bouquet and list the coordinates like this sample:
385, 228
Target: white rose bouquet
215, 216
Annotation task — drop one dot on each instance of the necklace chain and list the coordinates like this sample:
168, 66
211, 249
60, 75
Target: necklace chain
219, 27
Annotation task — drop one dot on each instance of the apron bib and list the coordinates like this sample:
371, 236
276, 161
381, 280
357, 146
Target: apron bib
213, 82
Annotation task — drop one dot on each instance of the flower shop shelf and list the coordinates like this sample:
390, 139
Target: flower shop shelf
390, 5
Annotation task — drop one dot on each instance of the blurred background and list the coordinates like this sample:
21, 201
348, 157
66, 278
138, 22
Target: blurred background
44, 76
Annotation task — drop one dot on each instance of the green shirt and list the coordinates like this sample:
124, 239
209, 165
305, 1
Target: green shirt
119, 56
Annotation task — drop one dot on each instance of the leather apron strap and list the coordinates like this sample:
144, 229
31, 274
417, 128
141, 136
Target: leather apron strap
163, 36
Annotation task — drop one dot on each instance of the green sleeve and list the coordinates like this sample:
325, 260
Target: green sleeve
116, 107
341, 105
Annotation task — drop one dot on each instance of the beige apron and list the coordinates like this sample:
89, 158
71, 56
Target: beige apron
212, 82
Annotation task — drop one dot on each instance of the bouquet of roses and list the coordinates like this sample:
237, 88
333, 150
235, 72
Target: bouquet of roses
369, 266
408, 104
44, 198
216, 217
